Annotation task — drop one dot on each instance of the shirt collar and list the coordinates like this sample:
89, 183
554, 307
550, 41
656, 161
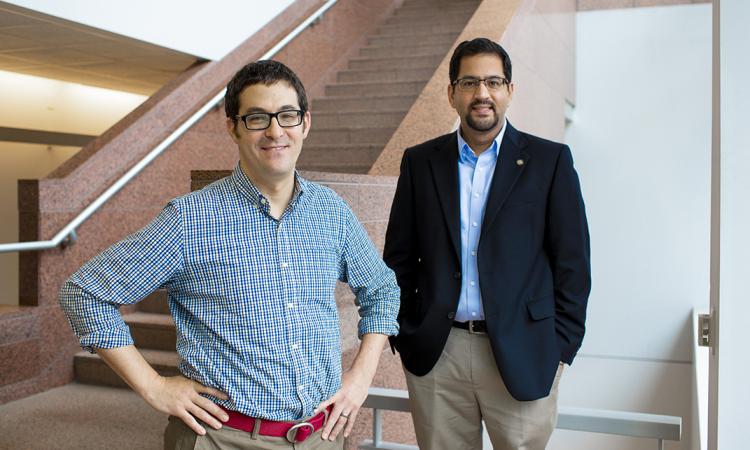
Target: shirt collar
249, 190
467, 155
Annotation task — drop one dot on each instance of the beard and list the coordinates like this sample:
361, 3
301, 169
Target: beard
483, 124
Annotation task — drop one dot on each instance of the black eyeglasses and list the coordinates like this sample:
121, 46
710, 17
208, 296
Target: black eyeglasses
470, 83
260, 121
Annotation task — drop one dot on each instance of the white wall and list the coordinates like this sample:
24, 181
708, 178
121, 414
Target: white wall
641, 140
205, 29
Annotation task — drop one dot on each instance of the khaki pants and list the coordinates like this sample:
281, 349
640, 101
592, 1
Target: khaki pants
178, 436
464, 388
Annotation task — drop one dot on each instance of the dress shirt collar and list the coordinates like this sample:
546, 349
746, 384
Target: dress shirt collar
251, 191
467, 156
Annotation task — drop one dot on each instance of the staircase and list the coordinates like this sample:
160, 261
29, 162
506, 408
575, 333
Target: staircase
351, 126
362, 109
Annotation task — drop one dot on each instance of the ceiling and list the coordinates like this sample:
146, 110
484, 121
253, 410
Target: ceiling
38, 44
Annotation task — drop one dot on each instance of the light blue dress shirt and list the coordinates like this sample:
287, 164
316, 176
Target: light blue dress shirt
474, 179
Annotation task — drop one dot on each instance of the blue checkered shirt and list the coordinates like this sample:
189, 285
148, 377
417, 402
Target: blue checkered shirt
252, 297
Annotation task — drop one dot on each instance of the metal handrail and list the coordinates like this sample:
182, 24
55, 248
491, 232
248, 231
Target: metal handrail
68, 233
622, 423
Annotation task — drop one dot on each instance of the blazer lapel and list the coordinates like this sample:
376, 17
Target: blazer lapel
511, 162
444, 165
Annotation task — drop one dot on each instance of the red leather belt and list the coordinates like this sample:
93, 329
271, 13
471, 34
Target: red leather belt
294, 432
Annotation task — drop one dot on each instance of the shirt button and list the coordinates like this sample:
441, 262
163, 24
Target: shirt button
476, 195
284, 265
263, 201
473, 314
290, 305
451, 315
472, 283
473, 253
474, 224
300, 388
295, 346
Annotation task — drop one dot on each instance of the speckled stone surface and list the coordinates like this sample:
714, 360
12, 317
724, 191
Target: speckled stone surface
47, 205
20, 360
78, 417
17, 323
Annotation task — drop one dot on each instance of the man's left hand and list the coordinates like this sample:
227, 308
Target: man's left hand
354, 386
346, 403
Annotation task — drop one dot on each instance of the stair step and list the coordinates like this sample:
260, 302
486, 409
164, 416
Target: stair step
437, 3
90, 369
154, 331
393, 74
392, 88
353, 103
359, 119
443, 7
423, 39
421, 28
441, 12
345, 154
155, 303
452, 20
414, 62
402, 50
349, 135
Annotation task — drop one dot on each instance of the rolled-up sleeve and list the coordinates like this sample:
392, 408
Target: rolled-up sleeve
123, 274
373, 283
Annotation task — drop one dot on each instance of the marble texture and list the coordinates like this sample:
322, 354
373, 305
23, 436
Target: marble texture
20, 360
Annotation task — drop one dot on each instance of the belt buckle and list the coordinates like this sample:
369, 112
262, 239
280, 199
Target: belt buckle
471, 328
291, 434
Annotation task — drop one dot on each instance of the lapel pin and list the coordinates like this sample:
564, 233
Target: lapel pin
519, 162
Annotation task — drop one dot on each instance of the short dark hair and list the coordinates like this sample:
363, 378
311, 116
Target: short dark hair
267, 72
478, 46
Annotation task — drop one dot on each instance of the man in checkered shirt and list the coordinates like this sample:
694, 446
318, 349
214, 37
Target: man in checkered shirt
250, 264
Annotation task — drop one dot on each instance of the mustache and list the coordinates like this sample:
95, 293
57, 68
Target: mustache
483, 103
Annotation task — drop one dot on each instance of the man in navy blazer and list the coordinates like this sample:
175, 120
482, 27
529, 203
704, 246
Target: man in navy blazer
489, 241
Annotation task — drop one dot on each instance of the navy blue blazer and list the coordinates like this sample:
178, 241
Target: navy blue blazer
533, 258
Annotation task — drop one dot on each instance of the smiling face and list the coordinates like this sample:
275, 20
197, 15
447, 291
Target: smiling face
482, 111
270, 155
